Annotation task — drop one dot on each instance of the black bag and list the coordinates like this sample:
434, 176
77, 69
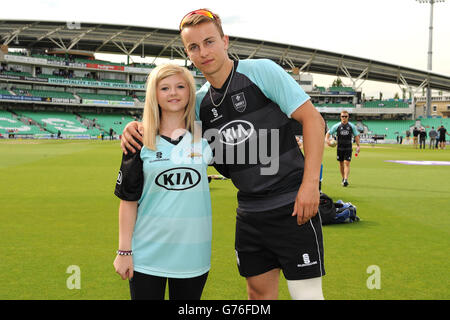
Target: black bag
336, 212
327, 209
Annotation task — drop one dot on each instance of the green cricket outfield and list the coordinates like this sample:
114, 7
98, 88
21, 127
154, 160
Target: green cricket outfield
58, 210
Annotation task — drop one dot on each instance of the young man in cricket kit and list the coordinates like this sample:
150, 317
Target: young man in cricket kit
442, 133
345, 131
247, 104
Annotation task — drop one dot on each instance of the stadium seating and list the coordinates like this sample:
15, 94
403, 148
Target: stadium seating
107, 121
341, 89
46, 94
52, 94
15, 73
385, 104
12, 124
112, 80
331, 123
50, 76
335, 105
67, 123
435, 122
49, 57
99, 62
390, 128
110, 97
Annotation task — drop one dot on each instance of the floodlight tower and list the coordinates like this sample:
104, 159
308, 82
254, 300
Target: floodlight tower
430, 50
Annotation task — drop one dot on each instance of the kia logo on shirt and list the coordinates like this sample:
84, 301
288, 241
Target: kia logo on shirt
236, 132
178, 179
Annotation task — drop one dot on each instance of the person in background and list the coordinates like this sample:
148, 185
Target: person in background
422, 138
442, 132
433, 135
416, 133
408, 135
345, 131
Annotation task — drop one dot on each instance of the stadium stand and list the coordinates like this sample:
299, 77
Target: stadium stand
385, 104
17, 73
117, 122
435, 122
67, 123
46, 94
389, 128
331, 123
12, 124
103, 62
341, 89
98, 95
49, 57
336, 105
106, 97
50, 76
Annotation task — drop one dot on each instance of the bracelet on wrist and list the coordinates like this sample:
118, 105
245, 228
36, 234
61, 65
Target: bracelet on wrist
124, 253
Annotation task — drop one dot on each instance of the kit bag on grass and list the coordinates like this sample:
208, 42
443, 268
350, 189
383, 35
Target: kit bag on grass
336, 212
327, 210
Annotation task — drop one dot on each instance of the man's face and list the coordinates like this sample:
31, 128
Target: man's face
205, 47
344, 118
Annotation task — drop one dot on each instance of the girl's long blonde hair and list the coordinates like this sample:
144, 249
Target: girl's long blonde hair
152, 112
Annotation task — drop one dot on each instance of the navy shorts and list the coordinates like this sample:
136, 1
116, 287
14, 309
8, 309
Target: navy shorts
273, 239
344, 154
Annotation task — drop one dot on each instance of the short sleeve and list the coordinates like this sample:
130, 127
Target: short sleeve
130, 180
355, 130
275, 83
334, 129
